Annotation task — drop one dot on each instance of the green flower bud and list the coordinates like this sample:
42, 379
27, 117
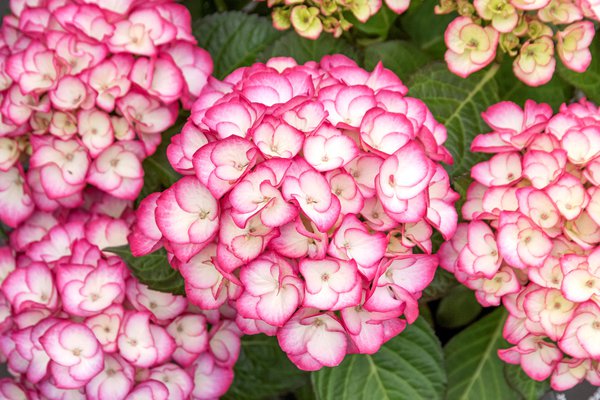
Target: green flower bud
521, 29
445, 7
465, 8
281, 18
536, 29
328, 7
306, 21
509, 43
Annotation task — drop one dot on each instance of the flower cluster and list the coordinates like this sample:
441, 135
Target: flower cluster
311, 17
531, 31
532, 242
86, 89
306, 189
74, 324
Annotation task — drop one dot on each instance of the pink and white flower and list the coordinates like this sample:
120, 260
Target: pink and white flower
206, 286
87, 290
143, 343
114, 382
220, 164
34, 69
178, 382
327, 149
224, 343
163, 306
313, 339
30, 286
75, 354
573, 45
312, 193
402, 181
331, 284
191, 337
537, 357
106, 326
146, 236
353, 241
16, 203
273, 290
210, 379
149, 389
187, 212
63, 166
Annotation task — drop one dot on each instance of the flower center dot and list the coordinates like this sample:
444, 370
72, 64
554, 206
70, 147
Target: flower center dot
590, 283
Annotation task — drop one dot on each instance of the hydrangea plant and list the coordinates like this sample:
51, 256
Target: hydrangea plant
195, 204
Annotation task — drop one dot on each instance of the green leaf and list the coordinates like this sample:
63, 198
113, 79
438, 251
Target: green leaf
158, 173
152, 270
457, 103
426, 28
474, 370
409, 366
199, 9
303, 50
263, 371
589, 81
403, 58
378, 25
443, 282
4, 230
555, 92
458, 308
305, 392
162, 170
425, 313
4, 8
234, 39
524, 385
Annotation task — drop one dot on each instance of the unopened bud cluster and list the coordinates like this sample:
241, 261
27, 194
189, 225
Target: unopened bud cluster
532, 32
310, 18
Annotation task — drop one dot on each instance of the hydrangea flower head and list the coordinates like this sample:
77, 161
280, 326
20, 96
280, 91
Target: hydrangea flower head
533, 32
307, 191
532, 238
75, 324
86, 89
